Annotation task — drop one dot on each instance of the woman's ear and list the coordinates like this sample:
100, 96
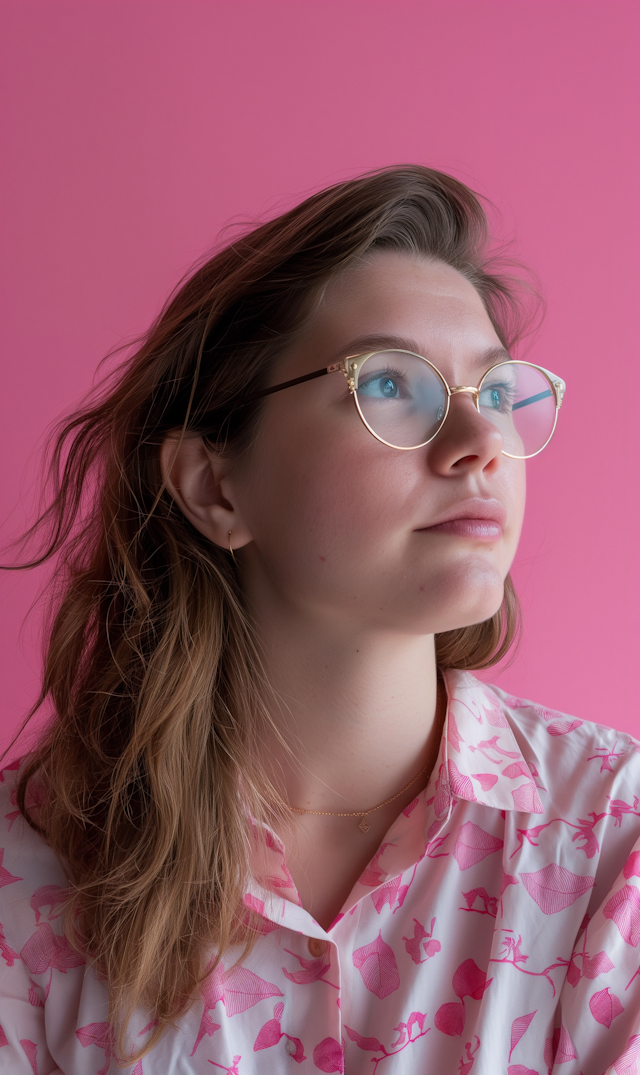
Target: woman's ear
199, 482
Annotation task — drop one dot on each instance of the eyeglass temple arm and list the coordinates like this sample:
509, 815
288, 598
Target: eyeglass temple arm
559, 390
532, 399
289, 384
333, 368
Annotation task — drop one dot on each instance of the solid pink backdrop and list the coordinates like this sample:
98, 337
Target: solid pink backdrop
134, 131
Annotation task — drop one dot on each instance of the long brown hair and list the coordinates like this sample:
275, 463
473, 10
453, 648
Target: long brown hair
146, 773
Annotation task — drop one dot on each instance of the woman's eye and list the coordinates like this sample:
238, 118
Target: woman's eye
388, 387
383, 387
497, 397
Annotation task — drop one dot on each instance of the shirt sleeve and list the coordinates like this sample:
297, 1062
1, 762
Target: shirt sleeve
599, 1006
25, 864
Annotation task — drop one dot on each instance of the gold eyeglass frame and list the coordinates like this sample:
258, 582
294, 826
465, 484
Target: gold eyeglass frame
351, 366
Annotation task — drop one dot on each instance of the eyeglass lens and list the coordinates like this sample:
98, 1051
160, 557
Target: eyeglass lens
403, 400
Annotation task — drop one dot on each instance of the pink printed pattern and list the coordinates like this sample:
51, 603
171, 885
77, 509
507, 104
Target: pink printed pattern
554, 887
468, 981
475, 939
624, 909
473, 845
408, 1032
102, 1037
272, 1033
423, 945
45, 950
378, 968
6, 878
238, 989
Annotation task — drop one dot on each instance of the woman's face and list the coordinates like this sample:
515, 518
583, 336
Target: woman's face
351, 530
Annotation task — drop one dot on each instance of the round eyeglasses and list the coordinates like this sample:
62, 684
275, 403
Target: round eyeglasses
404, 400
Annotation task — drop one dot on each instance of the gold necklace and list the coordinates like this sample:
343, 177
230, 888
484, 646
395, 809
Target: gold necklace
362, 814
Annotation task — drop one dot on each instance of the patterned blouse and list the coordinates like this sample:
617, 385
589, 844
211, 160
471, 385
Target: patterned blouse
494, 932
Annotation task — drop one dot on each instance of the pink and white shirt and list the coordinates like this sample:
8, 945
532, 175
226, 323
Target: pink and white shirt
495, 931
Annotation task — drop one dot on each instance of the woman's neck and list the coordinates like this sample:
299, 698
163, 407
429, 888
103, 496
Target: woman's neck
357, 709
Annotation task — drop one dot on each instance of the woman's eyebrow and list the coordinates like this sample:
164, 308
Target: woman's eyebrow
492, 356
377, 342
380, 341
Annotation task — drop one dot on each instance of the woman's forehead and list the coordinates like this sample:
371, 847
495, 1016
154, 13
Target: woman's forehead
394, 275
401, 301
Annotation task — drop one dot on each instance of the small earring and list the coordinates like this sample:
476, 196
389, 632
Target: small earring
230, 549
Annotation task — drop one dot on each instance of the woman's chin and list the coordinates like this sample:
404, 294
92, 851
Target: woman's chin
462, 604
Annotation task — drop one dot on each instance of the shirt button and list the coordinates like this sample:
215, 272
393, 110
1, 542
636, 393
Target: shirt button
290, 1047
317, 947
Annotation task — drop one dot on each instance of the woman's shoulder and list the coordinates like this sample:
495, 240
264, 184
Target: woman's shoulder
588, 780
575, 779
570, 759
572, 753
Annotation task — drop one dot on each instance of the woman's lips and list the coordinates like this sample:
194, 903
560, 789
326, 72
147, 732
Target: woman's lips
477, 517
479, 529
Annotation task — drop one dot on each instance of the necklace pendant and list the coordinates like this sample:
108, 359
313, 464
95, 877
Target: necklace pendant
363, 825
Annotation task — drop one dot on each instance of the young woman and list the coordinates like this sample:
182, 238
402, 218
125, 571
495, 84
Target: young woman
276, 823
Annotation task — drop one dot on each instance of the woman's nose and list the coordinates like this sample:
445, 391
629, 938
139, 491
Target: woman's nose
467, 440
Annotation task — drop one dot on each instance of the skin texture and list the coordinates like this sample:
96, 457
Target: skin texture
345, 581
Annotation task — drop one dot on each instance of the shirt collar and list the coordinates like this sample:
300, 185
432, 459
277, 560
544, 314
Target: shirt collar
484, 762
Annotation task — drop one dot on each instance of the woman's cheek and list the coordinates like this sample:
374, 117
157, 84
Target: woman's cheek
516, 500
359, 503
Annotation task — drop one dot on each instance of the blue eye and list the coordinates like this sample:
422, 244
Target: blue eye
497, 397
383, 385
388, 387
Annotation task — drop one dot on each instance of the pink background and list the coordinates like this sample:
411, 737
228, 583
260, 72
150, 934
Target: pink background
136, 130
